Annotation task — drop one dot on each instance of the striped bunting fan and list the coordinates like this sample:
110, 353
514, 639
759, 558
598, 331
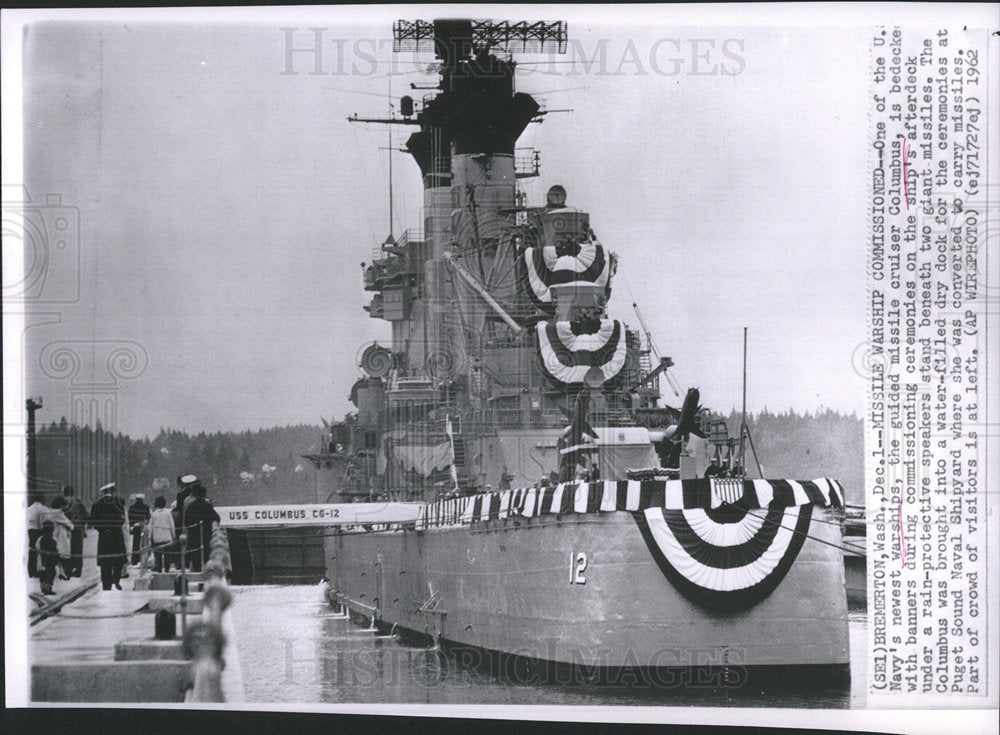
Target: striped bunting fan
725, 559
723, 543
570, 350
555, 265
638, 495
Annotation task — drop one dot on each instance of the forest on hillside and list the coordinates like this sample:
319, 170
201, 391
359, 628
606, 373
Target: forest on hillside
237, 468
807, 446
266, 466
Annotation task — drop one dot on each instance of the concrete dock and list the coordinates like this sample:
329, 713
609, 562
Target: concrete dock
92, 645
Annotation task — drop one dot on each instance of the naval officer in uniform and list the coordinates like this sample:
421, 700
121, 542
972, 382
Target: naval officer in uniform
107, 515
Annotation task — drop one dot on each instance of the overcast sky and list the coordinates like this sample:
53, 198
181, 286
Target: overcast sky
225, 205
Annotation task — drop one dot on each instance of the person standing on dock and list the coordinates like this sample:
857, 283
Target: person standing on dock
62, 532
162, 530
36, 505
108, 516
199, 516
48, 557
185, 482
138, 514
76, 511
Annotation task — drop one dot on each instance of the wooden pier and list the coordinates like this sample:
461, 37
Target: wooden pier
92, 645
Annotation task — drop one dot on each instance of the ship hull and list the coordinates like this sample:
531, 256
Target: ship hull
515, 586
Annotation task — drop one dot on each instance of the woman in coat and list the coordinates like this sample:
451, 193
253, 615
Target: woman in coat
62, 533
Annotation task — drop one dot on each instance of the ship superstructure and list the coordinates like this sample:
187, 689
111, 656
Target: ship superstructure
498, 308
567, 515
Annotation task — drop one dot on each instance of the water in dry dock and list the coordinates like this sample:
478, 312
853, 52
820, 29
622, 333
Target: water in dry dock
293, 648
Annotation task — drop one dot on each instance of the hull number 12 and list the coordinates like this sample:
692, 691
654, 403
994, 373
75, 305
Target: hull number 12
577, 566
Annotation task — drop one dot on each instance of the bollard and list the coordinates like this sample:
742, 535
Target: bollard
165, 625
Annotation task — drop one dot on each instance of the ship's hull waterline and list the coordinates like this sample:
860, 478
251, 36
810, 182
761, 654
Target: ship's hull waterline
516, 586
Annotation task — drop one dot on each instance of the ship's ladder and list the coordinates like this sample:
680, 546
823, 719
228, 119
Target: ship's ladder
459, 444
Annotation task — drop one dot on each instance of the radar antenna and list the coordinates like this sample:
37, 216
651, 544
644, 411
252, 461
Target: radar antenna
454, 38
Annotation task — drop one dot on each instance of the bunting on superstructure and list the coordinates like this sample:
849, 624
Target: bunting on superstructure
569, 350
556, 265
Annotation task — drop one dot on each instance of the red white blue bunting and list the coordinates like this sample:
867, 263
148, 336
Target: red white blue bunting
569, 350
638, 495
554, 265
728, 559
724, 544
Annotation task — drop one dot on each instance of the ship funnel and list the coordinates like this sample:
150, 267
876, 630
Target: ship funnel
406, 106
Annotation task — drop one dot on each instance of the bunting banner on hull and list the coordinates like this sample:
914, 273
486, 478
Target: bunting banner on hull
555, 265
569, 350
707, 494
723, 543
728, 559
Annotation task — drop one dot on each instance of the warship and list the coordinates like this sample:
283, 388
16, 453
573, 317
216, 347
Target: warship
560, 511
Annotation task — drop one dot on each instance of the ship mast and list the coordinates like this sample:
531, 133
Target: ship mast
448, 289
498, 309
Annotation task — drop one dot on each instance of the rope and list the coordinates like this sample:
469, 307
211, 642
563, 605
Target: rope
853, 549
61, 614
143, 548
127, 552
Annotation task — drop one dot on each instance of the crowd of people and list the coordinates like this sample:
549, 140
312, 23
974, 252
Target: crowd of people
178, 535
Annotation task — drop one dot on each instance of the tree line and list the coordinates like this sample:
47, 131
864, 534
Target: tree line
804, 446
266, 466
243, 467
